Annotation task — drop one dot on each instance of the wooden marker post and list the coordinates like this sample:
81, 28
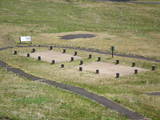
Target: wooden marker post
64, 51
15, 52
90, 56
80, 68
117, 75
75, 53
28, 55
97, 71
53, 62
81, 62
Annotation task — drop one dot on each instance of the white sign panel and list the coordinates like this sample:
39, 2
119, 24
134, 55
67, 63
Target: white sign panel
25, 39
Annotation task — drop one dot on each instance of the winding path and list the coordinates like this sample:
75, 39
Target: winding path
100, 99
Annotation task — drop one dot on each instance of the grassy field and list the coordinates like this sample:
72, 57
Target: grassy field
21, 99
131, 28
128, 91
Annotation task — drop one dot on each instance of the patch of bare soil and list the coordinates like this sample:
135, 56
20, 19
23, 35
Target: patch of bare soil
111, 69
51, 55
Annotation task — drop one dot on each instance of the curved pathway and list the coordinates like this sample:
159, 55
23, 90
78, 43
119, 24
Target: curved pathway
100, 99
131, 1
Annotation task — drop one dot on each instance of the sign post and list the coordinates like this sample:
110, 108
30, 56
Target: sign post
25, 39
112, 49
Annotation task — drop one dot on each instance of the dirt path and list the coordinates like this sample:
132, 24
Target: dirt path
100, 99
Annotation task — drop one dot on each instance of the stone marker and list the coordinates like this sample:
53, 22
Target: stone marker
39, 58
90, 56
33, 50
81, 62
80, 68
28, 55
53, 62
64, 51
117, 75
133, 64
75, 53
62, 65
153, 67
99, 59
135, 71
117, 62
15, 52
72, 59
97, 71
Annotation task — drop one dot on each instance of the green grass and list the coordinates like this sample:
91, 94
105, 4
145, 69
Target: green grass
131, 28
128, 91
21, 99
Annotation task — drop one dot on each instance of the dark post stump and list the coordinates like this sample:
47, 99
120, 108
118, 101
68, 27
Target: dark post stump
135, 71
75, 53
90, 56
53, 62
97, 71
153, 67
81, 62
51, 47
80, 68
62, 65
117, 62
99, 59
33, 50
39, 58
28, 55
133, 64
117, 75
64, 51
15, 52
72, 59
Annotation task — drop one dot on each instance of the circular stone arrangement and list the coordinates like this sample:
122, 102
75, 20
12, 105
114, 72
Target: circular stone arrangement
75, 36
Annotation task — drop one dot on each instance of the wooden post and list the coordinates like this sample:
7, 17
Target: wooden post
135, 71
72, 59
15, 52
39, 58
53, 62
153, 68
51, 47
33, 50
75, 53
90, 56
62, 65
64, 51
81, 62
97, 71
133, 64
80, 68
112, 50
28, 55
99, 59
117, 62
117, 75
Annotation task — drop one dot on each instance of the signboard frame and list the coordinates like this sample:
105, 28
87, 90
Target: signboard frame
25, 39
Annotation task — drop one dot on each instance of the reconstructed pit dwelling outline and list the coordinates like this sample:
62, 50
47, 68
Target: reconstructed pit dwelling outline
107, 69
